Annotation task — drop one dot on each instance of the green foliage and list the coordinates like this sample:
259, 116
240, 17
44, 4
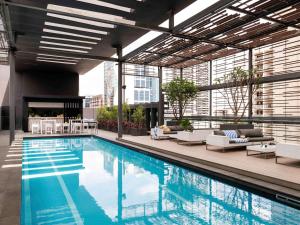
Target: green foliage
114, 113
179, 93
139, 116
103, 114
106, 113
186, 124
125, 110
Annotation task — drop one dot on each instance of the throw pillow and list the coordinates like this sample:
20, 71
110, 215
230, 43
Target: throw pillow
231, 134
251, 132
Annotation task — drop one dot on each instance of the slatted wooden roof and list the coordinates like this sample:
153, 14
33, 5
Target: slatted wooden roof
232, 27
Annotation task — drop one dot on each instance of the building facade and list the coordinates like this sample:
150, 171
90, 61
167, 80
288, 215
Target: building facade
110, 83
140, 83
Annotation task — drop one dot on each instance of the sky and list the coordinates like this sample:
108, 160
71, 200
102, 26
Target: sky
92, 83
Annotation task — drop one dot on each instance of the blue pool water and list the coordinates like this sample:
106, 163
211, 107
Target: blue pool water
90, 181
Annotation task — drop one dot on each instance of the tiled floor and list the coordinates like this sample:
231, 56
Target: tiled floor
10, 184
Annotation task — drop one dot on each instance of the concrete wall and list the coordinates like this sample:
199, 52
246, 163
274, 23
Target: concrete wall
4, 80
4, 88
32, 83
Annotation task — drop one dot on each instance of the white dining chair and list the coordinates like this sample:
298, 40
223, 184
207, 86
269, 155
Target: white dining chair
48, 128
58, 128
66, 128
35, 128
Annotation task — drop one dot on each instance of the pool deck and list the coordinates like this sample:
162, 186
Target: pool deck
10, 183
232, 165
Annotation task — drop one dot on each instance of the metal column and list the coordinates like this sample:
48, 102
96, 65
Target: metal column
120, 93
161, 103
181, 73
12, 104
210, 91
250, 94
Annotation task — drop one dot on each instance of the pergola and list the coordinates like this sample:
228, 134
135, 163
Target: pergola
102, 29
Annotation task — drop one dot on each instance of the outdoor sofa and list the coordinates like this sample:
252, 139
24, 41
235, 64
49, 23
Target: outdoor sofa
244, 137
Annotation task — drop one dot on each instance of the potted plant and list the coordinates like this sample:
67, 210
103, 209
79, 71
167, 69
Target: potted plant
138, 127
235, 91
186, 125
179, 93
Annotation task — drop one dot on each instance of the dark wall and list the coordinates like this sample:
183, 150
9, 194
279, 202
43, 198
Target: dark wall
32, 83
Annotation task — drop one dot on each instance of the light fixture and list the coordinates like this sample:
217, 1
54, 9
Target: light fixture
60, 56
108, 5
75, 28
91, 14
57, 59
68, 39
65, 45
60, 62
63, 49
84, 21
70, 34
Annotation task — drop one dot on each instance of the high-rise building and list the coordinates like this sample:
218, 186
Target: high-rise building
139, 88
110, 83
97, 101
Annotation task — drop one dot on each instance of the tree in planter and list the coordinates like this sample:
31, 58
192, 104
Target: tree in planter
236, 88
139, 116
186, 125
179, 93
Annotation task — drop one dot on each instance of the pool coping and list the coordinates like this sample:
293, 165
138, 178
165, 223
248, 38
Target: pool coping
246, 180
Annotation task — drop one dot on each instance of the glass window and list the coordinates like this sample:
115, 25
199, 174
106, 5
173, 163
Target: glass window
142, 96
143, 83
147, 96
136, 95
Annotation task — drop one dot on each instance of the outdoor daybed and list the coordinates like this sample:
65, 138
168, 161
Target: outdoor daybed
226, 139
192, 138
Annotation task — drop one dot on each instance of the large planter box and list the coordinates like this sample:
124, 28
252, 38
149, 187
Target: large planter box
138, 131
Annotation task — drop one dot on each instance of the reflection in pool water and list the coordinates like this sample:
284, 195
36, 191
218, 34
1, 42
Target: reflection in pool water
91, 181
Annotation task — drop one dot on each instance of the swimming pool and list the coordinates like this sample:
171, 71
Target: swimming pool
91, 181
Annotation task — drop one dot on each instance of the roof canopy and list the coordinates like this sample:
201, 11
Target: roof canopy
225, 28
74, 35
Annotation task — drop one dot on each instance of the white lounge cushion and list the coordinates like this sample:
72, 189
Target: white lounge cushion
288, 150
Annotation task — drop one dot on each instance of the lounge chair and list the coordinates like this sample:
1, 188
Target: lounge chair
287, 150
193, 138
158, 134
